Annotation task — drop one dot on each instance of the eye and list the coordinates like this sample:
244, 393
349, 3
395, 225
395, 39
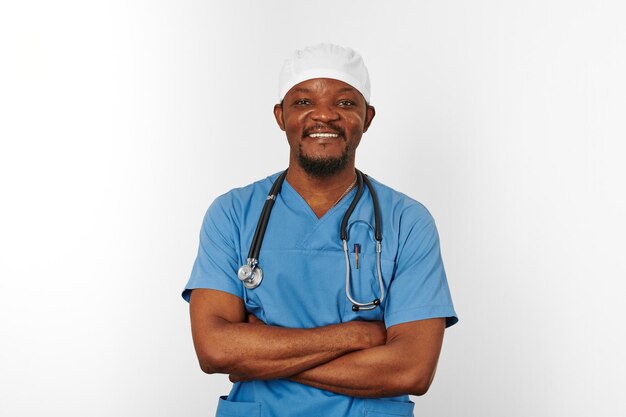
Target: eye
301, 102
346, 103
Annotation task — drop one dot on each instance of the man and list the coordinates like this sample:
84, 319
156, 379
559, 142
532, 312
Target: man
293, 343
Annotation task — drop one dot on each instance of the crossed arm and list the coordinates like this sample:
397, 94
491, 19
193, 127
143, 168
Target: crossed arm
357, 358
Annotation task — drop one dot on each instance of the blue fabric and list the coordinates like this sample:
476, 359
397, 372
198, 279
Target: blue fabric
304, 279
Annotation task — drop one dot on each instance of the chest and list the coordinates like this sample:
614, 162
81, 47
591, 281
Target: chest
305, 271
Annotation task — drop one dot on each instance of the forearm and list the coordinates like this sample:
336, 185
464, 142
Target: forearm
405, 365
228, 340
268, 352
366, 373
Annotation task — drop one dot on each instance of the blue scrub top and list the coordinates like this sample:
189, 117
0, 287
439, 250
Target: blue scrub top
304, 281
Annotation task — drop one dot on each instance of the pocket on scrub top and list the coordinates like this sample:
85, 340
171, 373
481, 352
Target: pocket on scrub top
386, 408
228, 408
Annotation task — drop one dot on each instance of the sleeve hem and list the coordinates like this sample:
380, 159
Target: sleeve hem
186, 294
422, 313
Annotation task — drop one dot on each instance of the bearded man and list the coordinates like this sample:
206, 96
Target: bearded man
319, 290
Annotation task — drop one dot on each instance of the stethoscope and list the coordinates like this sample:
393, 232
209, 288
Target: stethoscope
251, 273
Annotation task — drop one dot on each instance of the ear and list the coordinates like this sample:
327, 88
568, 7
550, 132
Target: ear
370, 112
278, 114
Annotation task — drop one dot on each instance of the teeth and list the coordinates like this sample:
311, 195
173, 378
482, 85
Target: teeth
324, 135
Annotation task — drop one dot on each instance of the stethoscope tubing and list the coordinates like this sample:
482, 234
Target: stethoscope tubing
356, 305
252, 278
261, 227
378, 227
359, 192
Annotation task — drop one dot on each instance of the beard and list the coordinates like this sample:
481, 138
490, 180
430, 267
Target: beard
321, 167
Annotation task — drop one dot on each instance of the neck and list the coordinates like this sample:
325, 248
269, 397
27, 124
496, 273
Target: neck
320, 193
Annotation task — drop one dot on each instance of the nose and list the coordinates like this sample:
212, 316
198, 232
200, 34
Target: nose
324, 113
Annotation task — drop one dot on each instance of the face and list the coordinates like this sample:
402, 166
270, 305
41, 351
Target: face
324, 120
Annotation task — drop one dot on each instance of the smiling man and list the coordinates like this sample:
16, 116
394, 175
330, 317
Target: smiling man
343, 311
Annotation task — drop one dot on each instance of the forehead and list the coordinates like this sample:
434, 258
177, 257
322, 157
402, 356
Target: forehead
322, 86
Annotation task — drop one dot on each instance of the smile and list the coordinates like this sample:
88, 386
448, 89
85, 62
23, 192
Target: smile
323, 135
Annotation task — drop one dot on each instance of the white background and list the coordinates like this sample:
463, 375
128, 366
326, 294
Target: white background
121, 121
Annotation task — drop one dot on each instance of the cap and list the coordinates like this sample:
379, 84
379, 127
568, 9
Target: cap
324, 61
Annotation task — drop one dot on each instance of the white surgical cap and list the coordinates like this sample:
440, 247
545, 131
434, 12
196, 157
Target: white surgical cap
324, 61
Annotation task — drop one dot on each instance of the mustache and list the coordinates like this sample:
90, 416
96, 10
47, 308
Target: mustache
325, 127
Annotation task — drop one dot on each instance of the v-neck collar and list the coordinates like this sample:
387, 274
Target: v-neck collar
298, 199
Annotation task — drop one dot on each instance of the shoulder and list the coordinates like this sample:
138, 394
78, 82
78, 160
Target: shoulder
400, 206
239, 198
232, 207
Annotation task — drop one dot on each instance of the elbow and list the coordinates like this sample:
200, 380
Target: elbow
418, 383
420, 388
207, 366
213, 362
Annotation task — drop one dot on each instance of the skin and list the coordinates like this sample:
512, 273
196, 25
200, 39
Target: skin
230, 342
322, 105
361, 359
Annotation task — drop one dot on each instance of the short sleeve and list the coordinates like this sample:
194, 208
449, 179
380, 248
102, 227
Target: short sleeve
419, 289
216, 264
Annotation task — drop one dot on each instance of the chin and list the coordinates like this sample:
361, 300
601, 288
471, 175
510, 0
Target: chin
322, 166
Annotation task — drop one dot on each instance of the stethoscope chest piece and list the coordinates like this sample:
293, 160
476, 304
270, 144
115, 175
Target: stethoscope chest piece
251, 275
